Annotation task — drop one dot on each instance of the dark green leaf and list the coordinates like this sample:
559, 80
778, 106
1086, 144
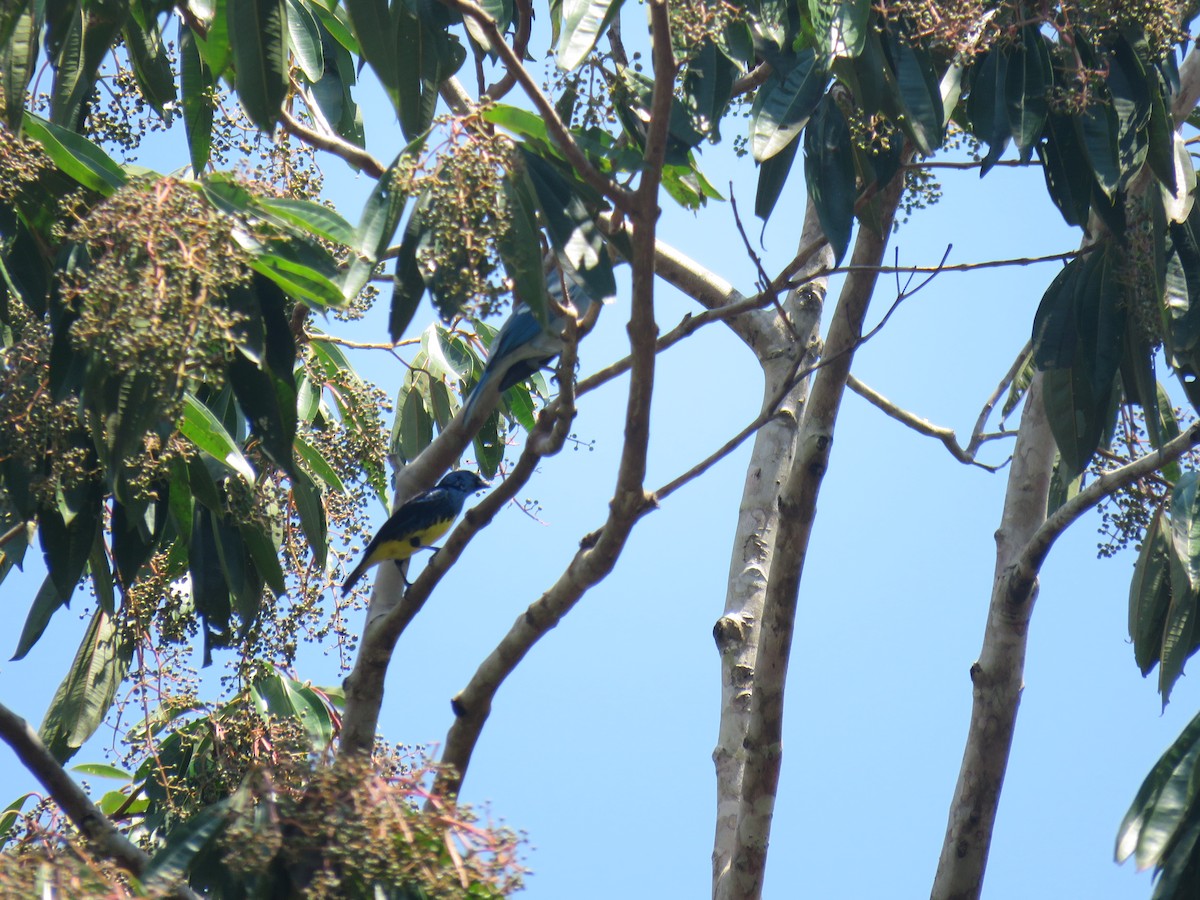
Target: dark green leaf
45, 604
319, 465
829, 172
520, 246
1174, 767
571, 227
782, 106
18, 56
151, 67
1054, 328
707, 87
1029, 77
408, 286
1150, 594
184, 843
380, 218
919, 94
258, 33
1097, 126
89, 690
1067, 172
772, 175
987, 106
309, 507
840, 25
197, 83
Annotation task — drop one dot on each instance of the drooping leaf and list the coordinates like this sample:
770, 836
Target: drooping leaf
258, 33
571, 227
1028, 79
307, 498
783, 106
772, 175
1150, 594
829, 172
196, 83
304, 38
89, 689
987, 106
583, 22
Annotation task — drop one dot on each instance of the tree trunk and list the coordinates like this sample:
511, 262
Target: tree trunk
743, 879
736, 632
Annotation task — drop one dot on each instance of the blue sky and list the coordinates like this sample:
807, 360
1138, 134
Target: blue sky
599, 746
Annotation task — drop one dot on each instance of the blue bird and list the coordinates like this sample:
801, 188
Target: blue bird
523, 346
418, 523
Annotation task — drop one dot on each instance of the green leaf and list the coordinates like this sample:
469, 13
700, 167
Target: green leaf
1029, 77
520, 246
102, 770
1066, 169
309, 507
782, 106
380, 217
1185, 527
707, 87
257, 31
319, 465
920, 94
1072, 411
45, 604
269, 404
583, 22
829, 172
76, 156
571, 226
312, 218
840, 25
304, 37
169, 866
197, 84
18, 56
151, 67
198, 424
89, 689
1174, 767
303, 270
1097, 128
1054, 329
987, 106
10, 813
408, 285
1150, 594
772, 175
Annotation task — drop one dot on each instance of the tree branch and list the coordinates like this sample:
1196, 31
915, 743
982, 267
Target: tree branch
917, 424
332, 143
71, 799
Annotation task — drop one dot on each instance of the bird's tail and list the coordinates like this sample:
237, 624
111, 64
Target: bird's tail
353, 577
475, 395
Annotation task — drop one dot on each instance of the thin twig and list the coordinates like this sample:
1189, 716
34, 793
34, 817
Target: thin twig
917, 424
977, 433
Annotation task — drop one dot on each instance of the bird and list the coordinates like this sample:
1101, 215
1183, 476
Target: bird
418, 523
523, 346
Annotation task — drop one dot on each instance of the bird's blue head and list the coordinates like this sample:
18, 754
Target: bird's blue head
463, 482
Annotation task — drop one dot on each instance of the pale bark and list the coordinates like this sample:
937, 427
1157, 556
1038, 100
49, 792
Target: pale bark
1024, 539
997, 675
736, 632
743, 879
